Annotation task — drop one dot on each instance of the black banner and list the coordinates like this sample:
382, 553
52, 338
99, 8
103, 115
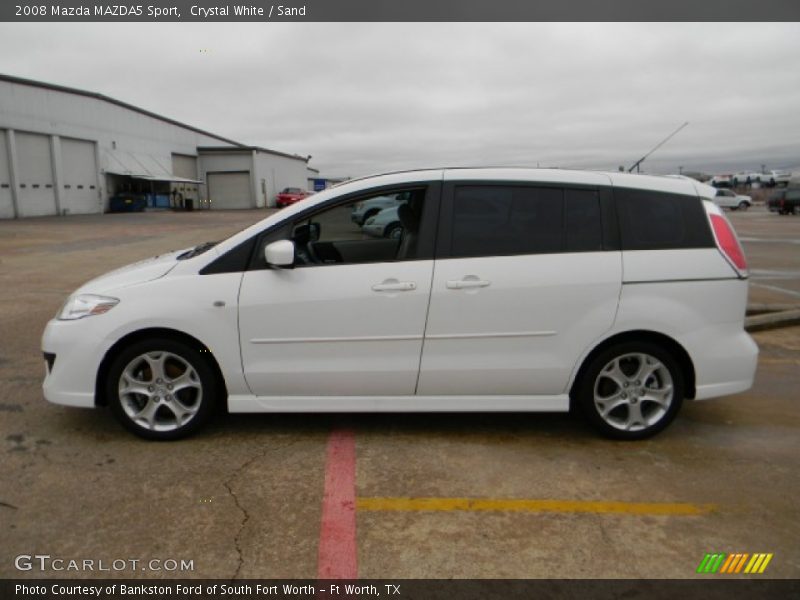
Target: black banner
404, 10
711, 588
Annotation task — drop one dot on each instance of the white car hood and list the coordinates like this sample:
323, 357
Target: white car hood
138, 272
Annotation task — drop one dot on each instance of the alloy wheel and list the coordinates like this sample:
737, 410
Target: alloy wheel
160, 391
633, 392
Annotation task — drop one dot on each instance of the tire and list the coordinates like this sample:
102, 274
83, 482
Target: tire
619, 403
743, 205
175, 389
393, 231
370, 213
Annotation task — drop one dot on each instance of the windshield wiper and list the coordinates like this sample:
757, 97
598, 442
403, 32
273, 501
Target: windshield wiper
199, 249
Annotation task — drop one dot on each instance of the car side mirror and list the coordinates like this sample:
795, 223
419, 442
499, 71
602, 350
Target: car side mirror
280, 253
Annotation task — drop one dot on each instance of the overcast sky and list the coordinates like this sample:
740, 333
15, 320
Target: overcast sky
366, 98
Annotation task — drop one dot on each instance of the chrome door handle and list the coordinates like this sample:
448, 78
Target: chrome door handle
462, 284
392, 285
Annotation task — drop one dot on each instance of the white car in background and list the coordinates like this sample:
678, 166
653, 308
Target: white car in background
770, 178
386, 223
369, 208
721, 181
729, 199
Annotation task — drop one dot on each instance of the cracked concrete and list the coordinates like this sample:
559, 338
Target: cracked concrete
228, 484
243, 497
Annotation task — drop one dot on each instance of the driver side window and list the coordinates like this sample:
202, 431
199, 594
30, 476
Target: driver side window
377, 228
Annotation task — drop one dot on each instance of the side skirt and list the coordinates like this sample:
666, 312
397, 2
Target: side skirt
241, 403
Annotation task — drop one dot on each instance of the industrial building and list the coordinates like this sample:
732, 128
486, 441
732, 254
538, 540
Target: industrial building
68, 151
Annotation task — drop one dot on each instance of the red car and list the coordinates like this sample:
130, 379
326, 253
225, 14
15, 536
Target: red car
290, 195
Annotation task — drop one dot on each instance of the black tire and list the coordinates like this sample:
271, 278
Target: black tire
199, 396
393, 231
743, 205
658, 416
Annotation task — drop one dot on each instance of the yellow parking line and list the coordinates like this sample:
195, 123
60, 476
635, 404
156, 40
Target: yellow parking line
532, 506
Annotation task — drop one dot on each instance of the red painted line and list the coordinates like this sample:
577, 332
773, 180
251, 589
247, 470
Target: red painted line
337, 536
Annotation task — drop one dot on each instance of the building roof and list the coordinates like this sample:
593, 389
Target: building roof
242, 148
103, 98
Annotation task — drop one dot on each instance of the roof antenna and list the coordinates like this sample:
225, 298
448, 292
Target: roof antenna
661, 143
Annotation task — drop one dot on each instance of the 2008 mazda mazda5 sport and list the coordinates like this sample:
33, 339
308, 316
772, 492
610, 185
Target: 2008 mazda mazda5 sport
478, 290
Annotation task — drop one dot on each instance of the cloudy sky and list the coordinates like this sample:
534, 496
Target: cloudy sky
365, 98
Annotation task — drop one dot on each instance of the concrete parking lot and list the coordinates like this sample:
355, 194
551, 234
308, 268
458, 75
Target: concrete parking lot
436, 496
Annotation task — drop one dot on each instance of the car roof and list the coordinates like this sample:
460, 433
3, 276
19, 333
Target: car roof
662, 183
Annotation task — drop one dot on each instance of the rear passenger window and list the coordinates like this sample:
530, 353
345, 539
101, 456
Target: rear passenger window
507, 220
583, 225
659, 221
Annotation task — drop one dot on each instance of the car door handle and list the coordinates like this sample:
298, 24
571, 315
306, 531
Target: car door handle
392, 285
467, 282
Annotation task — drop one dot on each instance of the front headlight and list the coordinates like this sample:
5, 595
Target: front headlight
86, 305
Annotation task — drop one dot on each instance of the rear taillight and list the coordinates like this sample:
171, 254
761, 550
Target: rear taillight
728, 243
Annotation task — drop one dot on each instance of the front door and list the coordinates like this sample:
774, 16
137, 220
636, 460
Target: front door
349, 318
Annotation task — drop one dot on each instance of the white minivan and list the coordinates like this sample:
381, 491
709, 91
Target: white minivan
509, 290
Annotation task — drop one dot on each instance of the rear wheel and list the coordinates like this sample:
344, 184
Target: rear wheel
631, 391
161, 389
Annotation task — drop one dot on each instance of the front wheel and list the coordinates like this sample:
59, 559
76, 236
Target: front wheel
631, 391
161, 389
393, 231
743, 205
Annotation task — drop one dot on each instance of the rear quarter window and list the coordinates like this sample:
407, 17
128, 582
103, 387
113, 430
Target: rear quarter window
660, 221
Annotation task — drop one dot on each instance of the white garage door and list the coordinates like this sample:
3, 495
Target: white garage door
79, 172
6, 206
230, 190
36, 194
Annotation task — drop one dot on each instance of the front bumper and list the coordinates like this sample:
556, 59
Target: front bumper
70, 379
373, 230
